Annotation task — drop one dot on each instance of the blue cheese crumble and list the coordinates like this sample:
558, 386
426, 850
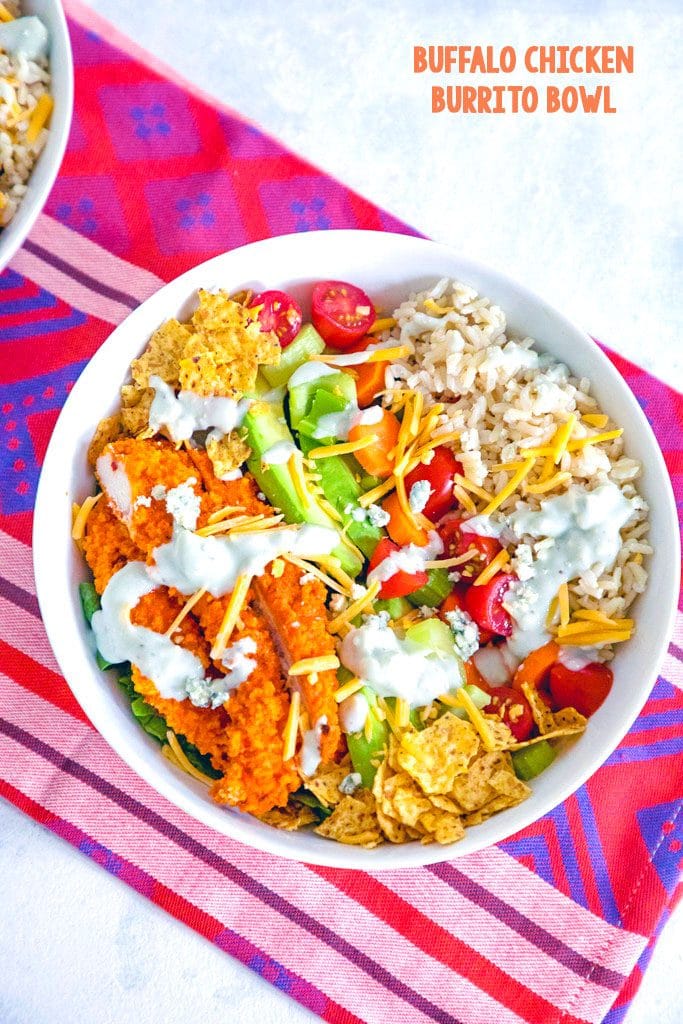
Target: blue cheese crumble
419, 495
465, 633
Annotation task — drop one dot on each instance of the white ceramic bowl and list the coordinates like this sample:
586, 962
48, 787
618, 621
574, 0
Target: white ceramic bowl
387, 267
48, 163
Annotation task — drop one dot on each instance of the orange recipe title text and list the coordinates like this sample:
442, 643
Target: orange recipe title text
508, 97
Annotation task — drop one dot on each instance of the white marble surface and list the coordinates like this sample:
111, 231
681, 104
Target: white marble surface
579, 208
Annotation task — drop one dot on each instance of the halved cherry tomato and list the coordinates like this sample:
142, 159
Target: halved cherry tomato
341, 313
369, 381
485, 604
375, 458
513, 708
401, 583
439, 474
456, 599
399, 527
280, 313
536, 666
457, 542
584, 688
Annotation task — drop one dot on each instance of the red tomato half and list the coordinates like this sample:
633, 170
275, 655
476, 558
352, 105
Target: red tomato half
456, 542
281, 314
456, 599
485, 604
513, 708
584, 689
401, 583
439, 474
341, 313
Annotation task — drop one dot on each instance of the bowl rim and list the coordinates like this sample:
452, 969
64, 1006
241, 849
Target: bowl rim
239, 826
13, 236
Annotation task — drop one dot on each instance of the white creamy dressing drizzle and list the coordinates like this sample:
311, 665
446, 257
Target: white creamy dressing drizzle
410, 559
483, 526
309, 755
338, 424
397, 667
352, 713
180, 415
24, 37
189, 561
278, 453
585, 528
358, 358
576, 658
310, 371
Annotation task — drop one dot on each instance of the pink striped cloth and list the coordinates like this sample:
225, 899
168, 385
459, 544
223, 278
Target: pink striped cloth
554, 925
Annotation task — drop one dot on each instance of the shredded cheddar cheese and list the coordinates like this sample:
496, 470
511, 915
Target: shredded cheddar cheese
348, 689
384, 323
543, 486
467, 485
237, 599
183, 761
322, 663
492, 568
5, 14
476, 718
355, 608
185, 610
291, 728
81, 517
596, 419
464, 499
346, 448
39, 117
510, 488
563, 604
561, 438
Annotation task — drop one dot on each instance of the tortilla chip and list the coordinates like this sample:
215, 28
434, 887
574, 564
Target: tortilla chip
353, 822
501, 737
162, 355
108, 430
227, 454
325, 783
438, 754
402, 799
135, 406
393, 830
290, 817
225, 349
550, 724
443, 827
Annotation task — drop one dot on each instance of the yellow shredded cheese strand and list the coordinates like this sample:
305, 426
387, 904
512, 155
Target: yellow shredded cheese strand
402, 713
5, 14
550, 484
469, 486
298, 478
584, 626
563, 604
330, 509
476, 718
595, 616
333, 566
291, 728
185, 610
346, 448
184, 762
367, 727
597, 637
507, 467
561, 438
355, 608
510, 488
277, 568
39, 117
405, 504
315, 571
433, 307
581, 442
384, 323
321, 663
448, 563
552, 613
348, 689
81, 519
596, 419
370, 497
464, 499
492, 568
224, 513
449, 700
237, 599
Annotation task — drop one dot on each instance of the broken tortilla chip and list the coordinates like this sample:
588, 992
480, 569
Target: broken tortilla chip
225, 348
289, 818
438, 754
135, 406
227, 453
550, 724
162, 355
108, 430
353, 822
326, 781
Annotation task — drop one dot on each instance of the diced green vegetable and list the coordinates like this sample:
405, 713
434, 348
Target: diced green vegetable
301, 396
90, 600
434, 592
479, 697
265, 426
531, 761
364, 751
306, 344
434, 635
308, 799
396, 606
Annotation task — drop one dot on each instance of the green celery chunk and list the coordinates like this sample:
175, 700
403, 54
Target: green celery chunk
90, 600
531, 761
396, 606
363, 751
435, 590
306, 344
